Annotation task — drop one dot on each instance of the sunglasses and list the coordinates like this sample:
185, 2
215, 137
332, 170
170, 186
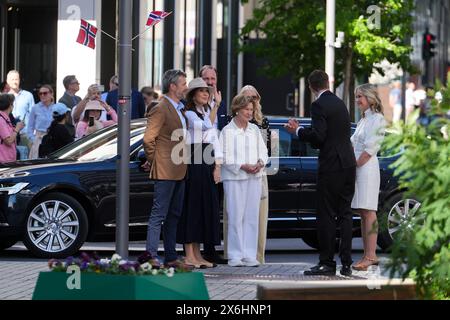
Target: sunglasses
43, 93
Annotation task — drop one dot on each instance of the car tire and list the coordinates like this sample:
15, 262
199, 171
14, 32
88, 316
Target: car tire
7, 243
55, 235
391, 216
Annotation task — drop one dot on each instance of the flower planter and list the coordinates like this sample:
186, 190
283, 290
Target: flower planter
92, 286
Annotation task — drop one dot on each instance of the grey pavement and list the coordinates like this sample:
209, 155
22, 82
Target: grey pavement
286, 259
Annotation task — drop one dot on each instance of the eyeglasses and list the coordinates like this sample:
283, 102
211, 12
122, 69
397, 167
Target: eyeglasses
75, 82
43, 93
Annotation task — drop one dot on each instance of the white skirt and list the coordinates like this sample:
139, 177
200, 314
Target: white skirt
367, 185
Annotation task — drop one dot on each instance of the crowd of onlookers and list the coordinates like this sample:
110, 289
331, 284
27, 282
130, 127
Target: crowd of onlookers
50, 124
416, 97
186, 195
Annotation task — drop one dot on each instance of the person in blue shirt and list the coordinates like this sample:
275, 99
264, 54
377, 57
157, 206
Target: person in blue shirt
41, 117
137, 102
113, 85
23, 102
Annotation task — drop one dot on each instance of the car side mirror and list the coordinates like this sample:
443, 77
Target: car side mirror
141, 156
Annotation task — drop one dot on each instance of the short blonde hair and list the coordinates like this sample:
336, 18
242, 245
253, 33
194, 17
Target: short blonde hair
370, 92
240, 102
257, 109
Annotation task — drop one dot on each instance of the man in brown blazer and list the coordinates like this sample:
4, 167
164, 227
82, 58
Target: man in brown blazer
164, 148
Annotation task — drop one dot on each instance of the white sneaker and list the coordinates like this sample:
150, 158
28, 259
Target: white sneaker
250, 263
235, 263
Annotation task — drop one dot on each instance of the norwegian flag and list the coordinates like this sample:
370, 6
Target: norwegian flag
87, 34
156, 16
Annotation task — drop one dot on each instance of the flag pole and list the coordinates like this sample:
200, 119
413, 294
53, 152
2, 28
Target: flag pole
140, 34
123, 146
107, 34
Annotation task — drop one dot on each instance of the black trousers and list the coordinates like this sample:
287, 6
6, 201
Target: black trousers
335, 194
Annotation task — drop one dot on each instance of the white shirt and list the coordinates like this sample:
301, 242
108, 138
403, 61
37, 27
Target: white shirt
202, 131
369, 133
241, 146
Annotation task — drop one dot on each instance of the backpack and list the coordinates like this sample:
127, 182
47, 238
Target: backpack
46, 147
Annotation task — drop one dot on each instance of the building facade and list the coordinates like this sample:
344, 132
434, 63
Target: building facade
38, 39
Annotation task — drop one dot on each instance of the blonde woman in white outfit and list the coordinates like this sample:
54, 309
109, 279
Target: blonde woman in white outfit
366, 142
244, 158
263, 125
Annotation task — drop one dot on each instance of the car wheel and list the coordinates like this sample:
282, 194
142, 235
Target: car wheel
396, 211
56, 226
7, 243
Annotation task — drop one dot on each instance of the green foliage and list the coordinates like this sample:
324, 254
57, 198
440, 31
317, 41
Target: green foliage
295, 35
422, 245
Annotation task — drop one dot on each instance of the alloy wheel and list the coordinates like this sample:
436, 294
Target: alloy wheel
401, 214
53, 226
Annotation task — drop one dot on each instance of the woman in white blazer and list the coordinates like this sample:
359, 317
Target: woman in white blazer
366, 142
244, 158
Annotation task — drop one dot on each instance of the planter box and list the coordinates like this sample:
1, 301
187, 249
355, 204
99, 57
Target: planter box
182, 286
368, 289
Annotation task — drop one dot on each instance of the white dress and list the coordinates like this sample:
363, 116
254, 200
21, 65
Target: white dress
368, 137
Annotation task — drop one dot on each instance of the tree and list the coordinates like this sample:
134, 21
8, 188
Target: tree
294, 37
421, 249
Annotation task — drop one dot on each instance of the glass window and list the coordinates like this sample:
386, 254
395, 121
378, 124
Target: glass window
288, 144
100, 145
189, 37
151, 47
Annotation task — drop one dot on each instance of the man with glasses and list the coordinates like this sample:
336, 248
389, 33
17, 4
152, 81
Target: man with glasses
113, 85
209, 74
137, 101
23, 102
69, 98
72, 86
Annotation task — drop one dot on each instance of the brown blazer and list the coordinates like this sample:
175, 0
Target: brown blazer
162, 121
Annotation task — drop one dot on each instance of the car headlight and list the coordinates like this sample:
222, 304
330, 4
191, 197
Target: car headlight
12, 188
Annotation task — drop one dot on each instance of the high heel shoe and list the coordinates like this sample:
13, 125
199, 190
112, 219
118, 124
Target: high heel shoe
365, 264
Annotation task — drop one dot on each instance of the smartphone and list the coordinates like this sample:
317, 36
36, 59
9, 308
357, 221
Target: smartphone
91, 121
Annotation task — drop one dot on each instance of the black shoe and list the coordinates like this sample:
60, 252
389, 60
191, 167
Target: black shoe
320, 270
215, 259
346, 270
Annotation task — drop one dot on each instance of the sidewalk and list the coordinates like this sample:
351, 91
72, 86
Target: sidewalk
17, 278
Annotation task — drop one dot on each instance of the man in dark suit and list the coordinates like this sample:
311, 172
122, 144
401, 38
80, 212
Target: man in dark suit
209, 74
330, 132
137, 102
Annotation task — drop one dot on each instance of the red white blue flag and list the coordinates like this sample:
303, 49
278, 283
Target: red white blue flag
156, 16
87, 34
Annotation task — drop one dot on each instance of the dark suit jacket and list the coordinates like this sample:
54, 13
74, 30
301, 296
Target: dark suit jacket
222, 119
137, 102
330, 132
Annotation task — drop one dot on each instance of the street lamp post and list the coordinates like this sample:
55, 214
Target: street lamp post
123, 146
329, 41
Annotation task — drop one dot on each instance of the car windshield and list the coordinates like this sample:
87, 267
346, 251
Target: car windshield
101, 145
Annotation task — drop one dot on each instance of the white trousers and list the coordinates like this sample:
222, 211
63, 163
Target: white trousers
243, 199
